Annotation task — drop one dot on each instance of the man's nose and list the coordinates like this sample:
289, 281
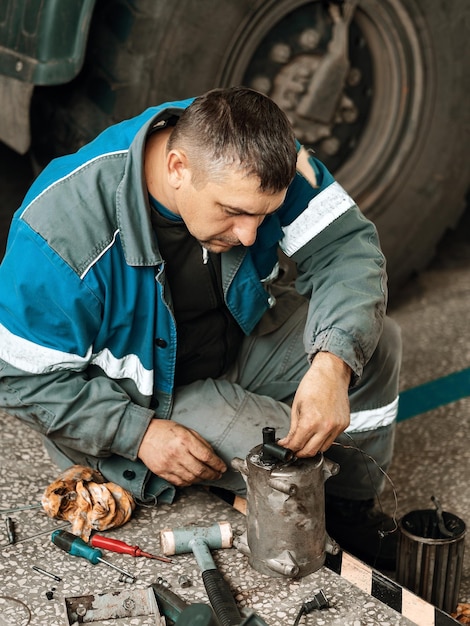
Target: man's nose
245, 230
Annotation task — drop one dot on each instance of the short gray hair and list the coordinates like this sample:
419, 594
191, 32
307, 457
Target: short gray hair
238, 127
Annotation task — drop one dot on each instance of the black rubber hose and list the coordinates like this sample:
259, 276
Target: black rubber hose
221, 598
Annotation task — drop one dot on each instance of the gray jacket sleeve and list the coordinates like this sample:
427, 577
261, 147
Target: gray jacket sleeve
65, 407
342, 273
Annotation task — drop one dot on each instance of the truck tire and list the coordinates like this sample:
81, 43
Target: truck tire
397, 140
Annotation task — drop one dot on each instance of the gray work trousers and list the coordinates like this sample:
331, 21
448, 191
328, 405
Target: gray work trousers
230, 412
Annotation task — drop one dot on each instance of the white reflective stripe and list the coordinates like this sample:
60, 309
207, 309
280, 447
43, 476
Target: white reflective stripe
373, 418
103, 252
30, 357
128, 366
321, 211
273, 275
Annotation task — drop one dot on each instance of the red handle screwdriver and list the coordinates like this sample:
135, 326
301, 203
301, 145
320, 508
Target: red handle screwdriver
115, 545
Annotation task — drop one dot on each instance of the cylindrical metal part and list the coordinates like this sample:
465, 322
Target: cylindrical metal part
430, 563
286, 514
269, 434
10, 525
43, 571
272, 452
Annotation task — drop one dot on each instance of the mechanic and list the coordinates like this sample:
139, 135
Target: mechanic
145, 329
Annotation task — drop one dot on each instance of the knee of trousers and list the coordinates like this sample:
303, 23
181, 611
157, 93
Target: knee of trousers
378, 385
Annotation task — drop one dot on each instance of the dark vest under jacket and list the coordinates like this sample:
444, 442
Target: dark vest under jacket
208, 337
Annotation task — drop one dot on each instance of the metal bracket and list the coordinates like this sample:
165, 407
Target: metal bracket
112, 605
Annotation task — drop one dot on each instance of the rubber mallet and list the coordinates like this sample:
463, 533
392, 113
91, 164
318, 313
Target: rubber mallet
200, 541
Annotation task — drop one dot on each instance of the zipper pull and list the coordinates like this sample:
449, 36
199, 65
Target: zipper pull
205, 255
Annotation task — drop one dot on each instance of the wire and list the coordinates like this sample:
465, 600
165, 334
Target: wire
21, 508
299, 615
319, 601
382, 533
22, 604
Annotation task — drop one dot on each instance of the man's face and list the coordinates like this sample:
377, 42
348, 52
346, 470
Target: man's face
225, 212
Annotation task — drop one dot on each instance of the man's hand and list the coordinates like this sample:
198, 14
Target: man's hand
178, 454
320, 410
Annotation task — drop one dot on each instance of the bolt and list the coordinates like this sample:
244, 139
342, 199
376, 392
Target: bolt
126, 579
184, 581
261, 83
309, 39
350, 115
280, 53
331, 146
128, 604
354, 76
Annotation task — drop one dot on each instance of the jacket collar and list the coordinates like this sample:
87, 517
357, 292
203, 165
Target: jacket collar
132, 203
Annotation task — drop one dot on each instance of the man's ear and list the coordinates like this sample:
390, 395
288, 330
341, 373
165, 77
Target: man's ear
304, 166
177, 165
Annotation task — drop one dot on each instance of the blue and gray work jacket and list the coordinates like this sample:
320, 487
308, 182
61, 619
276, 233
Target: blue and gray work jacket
85, 322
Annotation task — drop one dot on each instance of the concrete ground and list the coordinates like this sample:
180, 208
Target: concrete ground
432, 451
432, 458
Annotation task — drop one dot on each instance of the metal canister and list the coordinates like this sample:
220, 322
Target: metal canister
430, 556
285, 521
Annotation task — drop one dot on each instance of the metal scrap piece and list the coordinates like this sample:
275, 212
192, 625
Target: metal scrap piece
112, 605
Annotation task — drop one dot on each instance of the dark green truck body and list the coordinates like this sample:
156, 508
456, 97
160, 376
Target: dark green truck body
43, 41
